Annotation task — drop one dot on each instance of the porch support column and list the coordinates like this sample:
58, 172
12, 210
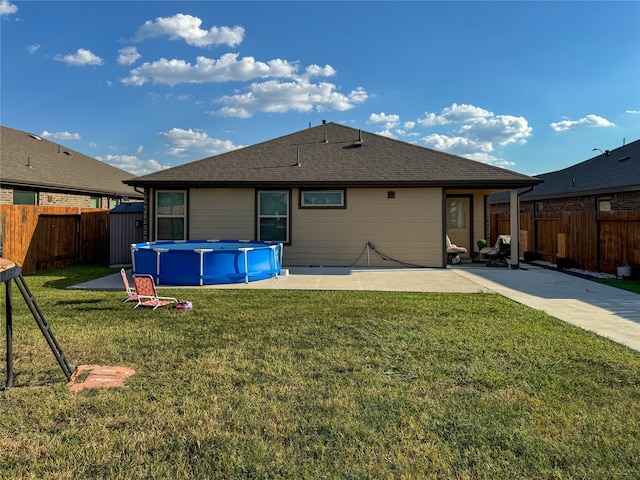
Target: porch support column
514, 216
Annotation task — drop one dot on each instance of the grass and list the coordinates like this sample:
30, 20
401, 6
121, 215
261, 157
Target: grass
313, 384
626, 284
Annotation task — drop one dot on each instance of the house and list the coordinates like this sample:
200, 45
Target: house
37, 171
586, 216
333, 195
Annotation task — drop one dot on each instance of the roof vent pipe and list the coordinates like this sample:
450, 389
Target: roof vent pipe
358, 143
298, 164
325, 137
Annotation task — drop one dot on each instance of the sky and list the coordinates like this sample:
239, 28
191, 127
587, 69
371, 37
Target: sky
533, 87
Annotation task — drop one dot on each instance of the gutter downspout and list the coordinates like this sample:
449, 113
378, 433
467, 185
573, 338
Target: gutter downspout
514, 213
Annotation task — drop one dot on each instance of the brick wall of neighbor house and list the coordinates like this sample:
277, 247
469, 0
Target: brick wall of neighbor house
66, 200
57, 199
6, 196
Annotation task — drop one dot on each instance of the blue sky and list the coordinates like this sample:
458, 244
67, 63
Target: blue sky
529, 86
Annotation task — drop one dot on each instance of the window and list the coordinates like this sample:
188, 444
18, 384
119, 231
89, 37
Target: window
273, 216
457, 214
171, 215
23, 197
322, 199
539, 207
604, 204
95, 202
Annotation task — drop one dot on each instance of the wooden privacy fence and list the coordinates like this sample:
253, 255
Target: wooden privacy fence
42, 238
597, 243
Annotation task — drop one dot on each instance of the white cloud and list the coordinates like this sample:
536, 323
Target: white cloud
474, 134
32, 49
386, 133
633, 112
128, 55
501, 129
7, 8
454, 114
81, 58
491, 160
227, 68
190, 143
187, 28
278, 97
588, 121
390, 121
133, 164
318, 71
477, 150
457, 145
61, 135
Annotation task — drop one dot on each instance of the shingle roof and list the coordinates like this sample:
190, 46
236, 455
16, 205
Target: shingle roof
333, 154
612, 171
29, 160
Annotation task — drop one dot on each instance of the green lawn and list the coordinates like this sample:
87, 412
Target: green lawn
626, 284
316, 384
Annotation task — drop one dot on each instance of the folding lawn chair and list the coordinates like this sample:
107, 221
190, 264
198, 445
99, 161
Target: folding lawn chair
147, 294
131, 293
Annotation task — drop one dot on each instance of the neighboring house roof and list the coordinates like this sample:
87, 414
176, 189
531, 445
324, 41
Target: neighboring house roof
27, 160
610, 172
330, 155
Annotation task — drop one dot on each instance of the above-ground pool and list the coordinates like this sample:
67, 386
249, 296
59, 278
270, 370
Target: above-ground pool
207, 262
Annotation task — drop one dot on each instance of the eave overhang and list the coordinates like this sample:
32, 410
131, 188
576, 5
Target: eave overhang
68, 189
582, 193
458, 184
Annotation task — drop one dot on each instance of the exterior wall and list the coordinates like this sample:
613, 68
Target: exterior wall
6, 196
56, 199
222, 214
407, 228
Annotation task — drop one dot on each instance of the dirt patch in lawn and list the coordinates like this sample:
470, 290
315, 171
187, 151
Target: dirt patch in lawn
96, 376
